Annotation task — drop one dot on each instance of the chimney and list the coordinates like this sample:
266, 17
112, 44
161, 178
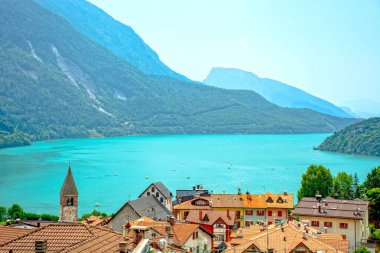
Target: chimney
194, 188
40, 246
318, 197
8, 222
304, 235
285, 193
170, 238
319, 208
325, 229
38, 224
123, 247
228, 212
168, 230
172, 220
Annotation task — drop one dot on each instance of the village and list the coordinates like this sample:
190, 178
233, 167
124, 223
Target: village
197, 220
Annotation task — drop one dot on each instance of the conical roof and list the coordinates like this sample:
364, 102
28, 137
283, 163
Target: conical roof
69, 187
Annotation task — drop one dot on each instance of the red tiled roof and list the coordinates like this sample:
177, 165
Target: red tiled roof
8, 233
209, 217
67, 237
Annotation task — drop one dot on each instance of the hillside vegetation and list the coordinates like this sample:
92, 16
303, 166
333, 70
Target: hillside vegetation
362, 138
56, 83
11, 137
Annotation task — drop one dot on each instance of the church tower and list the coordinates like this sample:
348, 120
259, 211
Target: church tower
69, 199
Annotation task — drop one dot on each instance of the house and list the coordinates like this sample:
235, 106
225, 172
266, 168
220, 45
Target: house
65, 237
176, 236
182, 210
185, 195
288, 237
159, 190
277, 206
346, 217
229, 202
218, 223
148, 206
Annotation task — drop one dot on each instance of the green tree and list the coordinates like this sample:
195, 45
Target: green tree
362, 249
356, 186
3, 213
316, 179
373, 195
343, 186
94, 213
15, 211
372, 180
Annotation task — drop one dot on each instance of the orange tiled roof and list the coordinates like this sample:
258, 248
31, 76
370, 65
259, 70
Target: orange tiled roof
187, 205
227, 200
67, 237
283, 239
8, 233
209, 217
182, 232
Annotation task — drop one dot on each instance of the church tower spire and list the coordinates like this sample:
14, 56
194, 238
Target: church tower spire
69, 199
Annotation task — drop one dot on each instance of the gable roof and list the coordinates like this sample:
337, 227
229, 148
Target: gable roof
162, 188
212, 216
67, 237
330, 207
8, 233
227, 200
188, 205
150, 207
69, 187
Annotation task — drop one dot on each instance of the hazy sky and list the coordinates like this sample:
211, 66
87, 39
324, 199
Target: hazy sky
328, 48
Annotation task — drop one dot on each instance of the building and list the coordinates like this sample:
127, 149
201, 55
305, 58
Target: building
66, 237
346, 217
159, 190
185, 195
8, 233
69, 199
288, 237
176, 236
148, 206
249, 209
218, 223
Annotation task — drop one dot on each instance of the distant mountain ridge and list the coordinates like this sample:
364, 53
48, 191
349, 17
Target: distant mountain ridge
362, 138
274, 91
118, 38
57, 83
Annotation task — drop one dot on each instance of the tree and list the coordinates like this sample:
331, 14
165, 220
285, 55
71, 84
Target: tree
343, 186
373, 195
372, 180
15, 211
316, 179
356, 187
3, 213
362, 249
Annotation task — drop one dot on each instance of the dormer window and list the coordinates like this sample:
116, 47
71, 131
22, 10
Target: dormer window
269, 200
279, 200
153, 189
205, 218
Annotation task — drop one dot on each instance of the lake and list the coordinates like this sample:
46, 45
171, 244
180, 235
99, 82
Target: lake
111, 171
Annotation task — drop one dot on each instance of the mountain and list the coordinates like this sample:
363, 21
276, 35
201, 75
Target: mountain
118, 38
364, 108
274, 91
57, 83
362, 138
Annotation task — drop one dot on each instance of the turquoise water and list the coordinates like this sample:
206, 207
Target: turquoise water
111, 171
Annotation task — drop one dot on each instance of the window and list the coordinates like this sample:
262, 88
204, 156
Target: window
219, 238
343, 225
157, 194
344, 237
269, 200
153, 189
260, 212
195, 235
162, 199
247, 223
327, 224
185, 214
269, 223
269, 213
248, 212
237, 214
279, 200
279, 213
148, 193
315, 223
